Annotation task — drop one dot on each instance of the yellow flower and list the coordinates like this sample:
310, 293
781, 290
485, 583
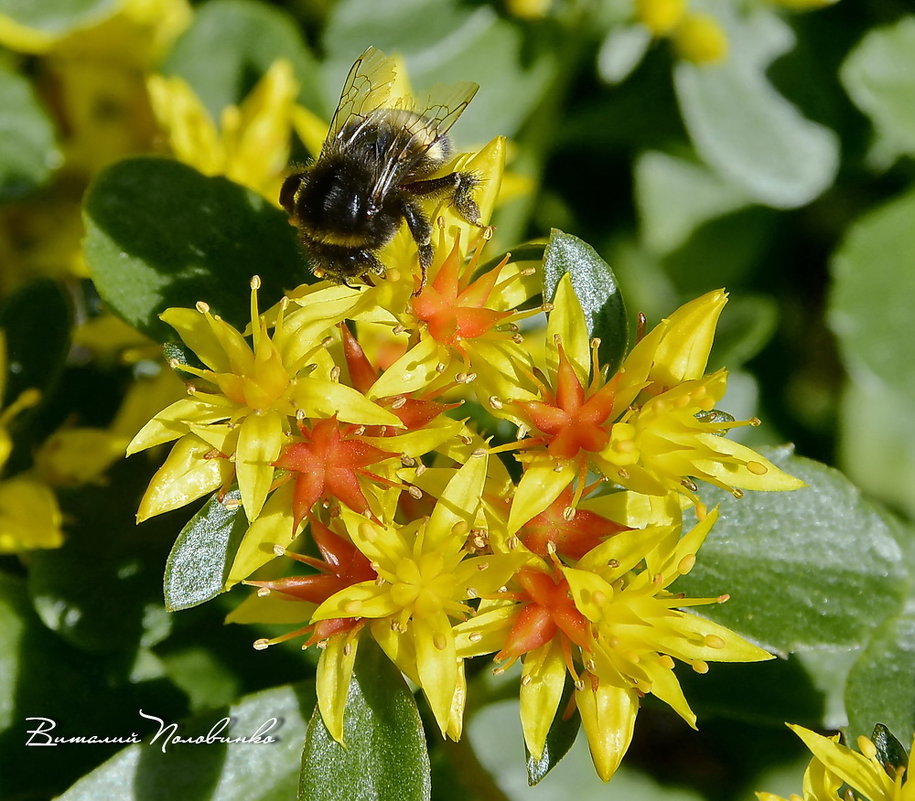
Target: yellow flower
701, 39
425, 579
651, 427
247, 401
251, 146
614, 626
835, 767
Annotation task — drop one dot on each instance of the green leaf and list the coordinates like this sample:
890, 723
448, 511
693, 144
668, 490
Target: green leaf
28, 151
879, 75
813, 567
35, 361
559, 739
42, 676
889, 750
877, 443
597, 290
160, 234
53, 18
675, 196
231, 44
263, 770
385, 754
870, 307
455, 42
199, 563
882, 676
745, 130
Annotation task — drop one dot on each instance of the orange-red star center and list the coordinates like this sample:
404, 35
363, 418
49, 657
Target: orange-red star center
328, 464
548, 610
571, 422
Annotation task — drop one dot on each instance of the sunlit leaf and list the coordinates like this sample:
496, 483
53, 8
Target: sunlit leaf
385, 753
198, 566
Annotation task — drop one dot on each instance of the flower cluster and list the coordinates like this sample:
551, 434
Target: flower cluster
341, 416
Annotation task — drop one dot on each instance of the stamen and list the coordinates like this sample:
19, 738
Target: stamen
202, 307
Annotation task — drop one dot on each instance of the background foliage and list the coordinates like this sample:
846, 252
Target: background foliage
783, 173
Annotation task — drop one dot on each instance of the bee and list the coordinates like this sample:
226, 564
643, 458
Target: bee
375, 168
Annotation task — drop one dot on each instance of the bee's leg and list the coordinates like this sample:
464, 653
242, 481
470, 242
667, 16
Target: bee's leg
421, 229
459, 185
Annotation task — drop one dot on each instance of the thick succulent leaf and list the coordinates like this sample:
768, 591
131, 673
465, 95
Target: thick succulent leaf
879, 75
597, 290
818, 566
28, 150
884, 674
260, 767
160, 234
198, 565
385, 754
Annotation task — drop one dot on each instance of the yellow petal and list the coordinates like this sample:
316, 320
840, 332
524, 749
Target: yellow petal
699, 631
567, 321
320, 398
543, 677
752, 470
188, 126
608, 718
485, 632
365, 599
185, 476
29, 516
173, 422
272, 527
457, 507
421, 441
664, 685
683, 350
853, 768
412, 371
540, 485
272, 608
332, 680
260, 439
458, 703
436, 663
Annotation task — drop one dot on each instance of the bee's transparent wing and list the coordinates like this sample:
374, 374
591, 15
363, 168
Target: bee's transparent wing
440, 106
366, 89
431, 115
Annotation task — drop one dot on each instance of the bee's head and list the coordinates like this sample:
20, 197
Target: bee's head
290, 189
